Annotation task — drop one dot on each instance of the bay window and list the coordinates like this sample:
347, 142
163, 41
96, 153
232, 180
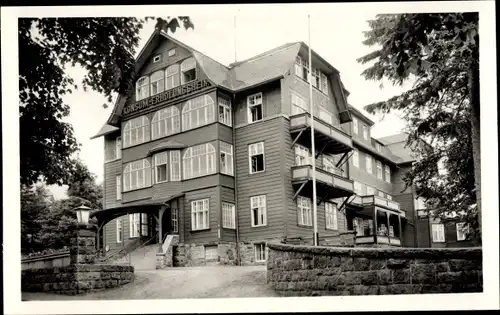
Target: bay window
172, 77
160, 167
199, 161
157, 82
304, 211
142, 88
136, 131
258, 210
137, 175
226, 158
197, 112
200, 214
188, 70
165, 122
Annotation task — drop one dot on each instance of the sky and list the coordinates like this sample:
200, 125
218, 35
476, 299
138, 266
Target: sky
337, 36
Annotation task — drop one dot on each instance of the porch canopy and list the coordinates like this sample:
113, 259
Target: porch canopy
142, 206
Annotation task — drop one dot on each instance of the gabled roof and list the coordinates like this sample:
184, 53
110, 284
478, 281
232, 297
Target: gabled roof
359, 114
400, 137
105, 129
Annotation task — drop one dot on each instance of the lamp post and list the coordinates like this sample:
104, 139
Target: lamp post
82, 214
83, 249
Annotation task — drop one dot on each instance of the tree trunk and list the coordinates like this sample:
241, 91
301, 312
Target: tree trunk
476, 134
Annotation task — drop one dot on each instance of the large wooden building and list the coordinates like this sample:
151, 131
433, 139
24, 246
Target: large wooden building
220, 156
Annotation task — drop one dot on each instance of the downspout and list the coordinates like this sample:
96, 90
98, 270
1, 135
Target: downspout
235, 183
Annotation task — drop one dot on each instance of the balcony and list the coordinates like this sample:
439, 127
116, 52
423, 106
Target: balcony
379, 239
329, 138
328, 185
370, 201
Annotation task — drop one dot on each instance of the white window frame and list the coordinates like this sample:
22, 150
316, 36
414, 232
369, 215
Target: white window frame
142, 168
331, 216
171, 52
175, 165
228, 215
302, 155
368, 161
201, 206
197, 112
168, 119
157, 80
259, 204
134, 228
365, 132
461, 236
263, 250
437, 230
381, 194
194, 156
253, 150
226, 154
133, 127
118, 187
160, 159
387, 174
355, 127
298, 67
299, 104
186, 65
329, 165
142, 88
355, 158
359, 189
380, 174
388, 197
172, 73
254, 100
378, 147
324, 83
175, 220
119, 230
225, 114
144, 224
118, 146
304, 211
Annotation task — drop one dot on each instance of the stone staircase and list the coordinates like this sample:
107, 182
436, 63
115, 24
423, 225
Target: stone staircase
143, 258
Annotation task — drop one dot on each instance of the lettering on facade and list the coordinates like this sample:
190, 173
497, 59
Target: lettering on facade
168, 95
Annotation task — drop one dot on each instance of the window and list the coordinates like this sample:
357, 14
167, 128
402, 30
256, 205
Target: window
199, 161
175, 165
142, 88
462, 231
258, 210
109, 150
305, 70
136, 131
381, 194
368, 163
171, 52
228, 216
137, 175
133, 220
365, 132
438, 233
256, 157
172, 77
118, 187
355, 158
298, 67
197, 112
419, 203
299, 105
188, 70
226, 158
358, 188
260, 252
199, 214
144, 224
119, 230
118, 147
304, 211
379, 170
254, 103
165, 122
355, 125
315, 78
160, 163
225, 111
329, 164
324, 83
302, 155
389, 197
156, 58
387, 174
331, 216
378, 147
370, 191
175, 220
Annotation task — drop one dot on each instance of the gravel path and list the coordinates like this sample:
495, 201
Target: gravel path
190, 282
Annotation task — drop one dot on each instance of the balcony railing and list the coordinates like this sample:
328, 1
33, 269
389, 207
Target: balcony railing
377, 201
370, 239
335, 180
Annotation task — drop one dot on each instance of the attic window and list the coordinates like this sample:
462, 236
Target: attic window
156, 58
171, 52
188, 70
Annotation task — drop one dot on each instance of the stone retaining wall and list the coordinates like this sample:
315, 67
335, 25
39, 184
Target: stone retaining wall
76, 279
58, 259
312, 271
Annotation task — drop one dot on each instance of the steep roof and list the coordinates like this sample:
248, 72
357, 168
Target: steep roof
361, 115
400, 137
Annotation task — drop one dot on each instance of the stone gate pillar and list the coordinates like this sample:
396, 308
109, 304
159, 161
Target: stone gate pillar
83, 249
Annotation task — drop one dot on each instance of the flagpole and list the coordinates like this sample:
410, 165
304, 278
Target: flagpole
235, 55
313, 146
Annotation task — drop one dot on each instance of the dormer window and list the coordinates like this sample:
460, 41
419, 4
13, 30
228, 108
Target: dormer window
156, 58
254, 103
142, 88
188, 70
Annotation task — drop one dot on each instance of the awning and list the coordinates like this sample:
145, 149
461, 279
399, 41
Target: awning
142, 206
167, 145
105, 129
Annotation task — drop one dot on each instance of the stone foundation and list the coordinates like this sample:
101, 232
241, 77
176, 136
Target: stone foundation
187, 255
312, 271
76, 279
